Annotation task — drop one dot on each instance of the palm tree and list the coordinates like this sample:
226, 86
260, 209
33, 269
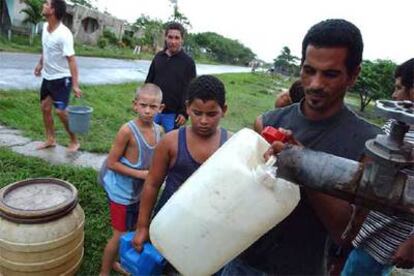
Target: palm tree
179, 17
33, 13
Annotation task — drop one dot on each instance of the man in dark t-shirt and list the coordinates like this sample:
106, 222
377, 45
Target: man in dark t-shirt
172, 70
331, 58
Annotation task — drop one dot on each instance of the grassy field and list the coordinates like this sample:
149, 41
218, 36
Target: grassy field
248, 95
21, 44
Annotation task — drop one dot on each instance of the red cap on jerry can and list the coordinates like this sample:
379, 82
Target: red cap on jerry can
272, 134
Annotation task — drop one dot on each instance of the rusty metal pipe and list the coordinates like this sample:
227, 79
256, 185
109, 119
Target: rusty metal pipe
336, 176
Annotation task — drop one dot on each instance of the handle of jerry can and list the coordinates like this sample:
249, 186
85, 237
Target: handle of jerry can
271, 134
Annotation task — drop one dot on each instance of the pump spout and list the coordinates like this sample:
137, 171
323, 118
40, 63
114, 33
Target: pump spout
320, 171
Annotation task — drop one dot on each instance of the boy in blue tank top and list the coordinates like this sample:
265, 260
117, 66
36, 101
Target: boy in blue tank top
127, 167
182, 151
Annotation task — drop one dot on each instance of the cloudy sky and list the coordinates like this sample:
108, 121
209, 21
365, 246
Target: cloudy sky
265, 26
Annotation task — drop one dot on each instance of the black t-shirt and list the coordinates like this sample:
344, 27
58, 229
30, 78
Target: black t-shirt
172, 74
297, 245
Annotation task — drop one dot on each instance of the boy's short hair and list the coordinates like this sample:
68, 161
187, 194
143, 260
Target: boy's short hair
336, 33
149, 88
207, 88
406, 72
60, 8
175, 26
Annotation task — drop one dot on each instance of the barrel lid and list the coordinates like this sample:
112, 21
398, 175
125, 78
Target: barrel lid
37, 200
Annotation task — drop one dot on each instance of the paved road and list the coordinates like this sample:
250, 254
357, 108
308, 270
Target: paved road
16, 70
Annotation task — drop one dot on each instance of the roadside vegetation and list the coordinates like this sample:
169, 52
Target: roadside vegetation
20, 43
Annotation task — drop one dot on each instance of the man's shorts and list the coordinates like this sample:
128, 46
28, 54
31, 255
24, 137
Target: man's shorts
166, 120
58, 90
123, 217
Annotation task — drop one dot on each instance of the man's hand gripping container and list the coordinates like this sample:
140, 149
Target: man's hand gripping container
225, 206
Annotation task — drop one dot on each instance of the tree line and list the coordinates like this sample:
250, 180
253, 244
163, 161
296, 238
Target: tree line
208, 45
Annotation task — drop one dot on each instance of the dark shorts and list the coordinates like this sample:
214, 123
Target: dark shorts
123, 217
166, 120
58, 90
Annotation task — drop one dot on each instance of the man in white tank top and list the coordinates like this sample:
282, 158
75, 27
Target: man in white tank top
57, 66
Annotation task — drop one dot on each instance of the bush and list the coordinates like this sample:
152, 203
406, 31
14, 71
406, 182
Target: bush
103, 42
121, 44
375, 81
108, 34
128, 41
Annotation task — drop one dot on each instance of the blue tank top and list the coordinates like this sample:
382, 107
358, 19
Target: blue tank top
183, 168
124, 189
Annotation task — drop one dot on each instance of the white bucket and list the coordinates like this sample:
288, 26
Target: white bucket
222, 208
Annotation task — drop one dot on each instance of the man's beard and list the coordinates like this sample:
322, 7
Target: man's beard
315, 103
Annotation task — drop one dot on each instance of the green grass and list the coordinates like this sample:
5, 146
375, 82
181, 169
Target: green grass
112, 107
248, 95
110, 52
353, 101
20, 43
15, 167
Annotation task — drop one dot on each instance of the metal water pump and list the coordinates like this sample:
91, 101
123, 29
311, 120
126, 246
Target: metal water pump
385, 182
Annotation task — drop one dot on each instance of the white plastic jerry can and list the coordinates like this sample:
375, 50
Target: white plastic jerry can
225, 206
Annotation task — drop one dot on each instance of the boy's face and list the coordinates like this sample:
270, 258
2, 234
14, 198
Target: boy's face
205, 116
401, 92
147, 106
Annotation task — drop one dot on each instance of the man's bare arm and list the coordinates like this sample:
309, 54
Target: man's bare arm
39, 67
75, 75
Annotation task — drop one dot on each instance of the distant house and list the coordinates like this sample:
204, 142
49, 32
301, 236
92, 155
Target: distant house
86, 24
10, 16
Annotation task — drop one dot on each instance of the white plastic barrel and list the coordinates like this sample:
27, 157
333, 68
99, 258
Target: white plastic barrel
222, 208
41, 228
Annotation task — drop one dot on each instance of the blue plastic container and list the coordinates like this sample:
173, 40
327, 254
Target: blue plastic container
147, 262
